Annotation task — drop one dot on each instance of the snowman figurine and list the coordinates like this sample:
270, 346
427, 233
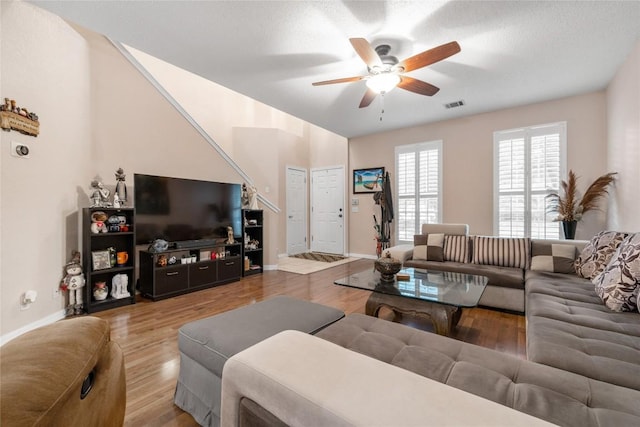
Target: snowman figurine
73, 282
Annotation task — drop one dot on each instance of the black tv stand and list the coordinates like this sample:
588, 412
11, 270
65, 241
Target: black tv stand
189, 268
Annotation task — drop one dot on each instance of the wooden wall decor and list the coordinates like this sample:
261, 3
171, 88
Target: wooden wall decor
13, 117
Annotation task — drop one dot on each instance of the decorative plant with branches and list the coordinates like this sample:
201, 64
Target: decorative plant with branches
567, 207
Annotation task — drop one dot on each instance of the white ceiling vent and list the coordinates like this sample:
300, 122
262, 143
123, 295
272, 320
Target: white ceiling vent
454, 104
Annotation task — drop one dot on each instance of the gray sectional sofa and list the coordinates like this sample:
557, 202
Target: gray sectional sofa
583, 366
506, 287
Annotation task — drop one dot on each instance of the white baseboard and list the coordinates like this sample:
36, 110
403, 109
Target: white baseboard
58, 315
270, 267
367, 256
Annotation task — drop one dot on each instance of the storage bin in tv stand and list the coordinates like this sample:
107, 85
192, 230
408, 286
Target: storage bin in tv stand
159, 282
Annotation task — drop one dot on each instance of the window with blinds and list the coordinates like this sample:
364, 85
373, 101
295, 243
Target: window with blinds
529, 162
418, 188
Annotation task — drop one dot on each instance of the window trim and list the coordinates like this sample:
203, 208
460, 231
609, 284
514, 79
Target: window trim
416, 148
527, 133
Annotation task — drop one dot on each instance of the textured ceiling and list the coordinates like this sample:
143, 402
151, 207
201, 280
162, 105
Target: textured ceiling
513, 52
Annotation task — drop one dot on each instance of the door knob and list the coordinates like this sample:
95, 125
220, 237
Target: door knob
340, 216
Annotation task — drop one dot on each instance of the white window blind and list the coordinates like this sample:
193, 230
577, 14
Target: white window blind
418, 188
529, 162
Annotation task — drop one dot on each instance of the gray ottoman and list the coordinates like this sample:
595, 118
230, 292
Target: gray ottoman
205, 345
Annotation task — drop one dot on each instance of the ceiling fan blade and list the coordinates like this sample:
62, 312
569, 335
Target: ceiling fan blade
343, 80
366, 52
368, 98
430, 56
417, 86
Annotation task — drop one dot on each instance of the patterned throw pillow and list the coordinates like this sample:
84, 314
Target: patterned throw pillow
502, 251
619, 284
428, 247
456, 248
596, 255
552, 257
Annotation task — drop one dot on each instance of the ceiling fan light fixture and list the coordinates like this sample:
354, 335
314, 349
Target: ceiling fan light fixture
383, 82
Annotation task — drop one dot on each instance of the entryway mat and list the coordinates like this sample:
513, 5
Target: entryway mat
318, 256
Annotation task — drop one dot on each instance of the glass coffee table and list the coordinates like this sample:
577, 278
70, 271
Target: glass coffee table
436, 295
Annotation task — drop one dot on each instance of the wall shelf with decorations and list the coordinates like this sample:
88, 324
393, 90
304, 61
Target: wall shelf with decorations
108, 258
252, 230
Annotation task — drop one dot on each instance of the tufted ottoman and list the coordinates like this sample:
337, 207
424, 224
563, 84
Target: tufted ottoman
205, 345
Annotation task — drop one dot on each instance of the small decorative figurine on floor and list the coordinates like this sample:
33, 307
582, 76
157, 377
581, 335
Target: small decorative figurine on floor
121, 188
73, 282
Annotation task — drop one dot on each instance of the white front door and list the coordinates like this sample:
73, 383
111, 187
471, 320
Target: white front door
327, 210
296, 210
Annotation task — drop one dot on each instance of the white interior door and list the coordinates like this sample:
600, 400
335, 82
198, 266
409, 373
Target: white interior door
296, 210
327, 210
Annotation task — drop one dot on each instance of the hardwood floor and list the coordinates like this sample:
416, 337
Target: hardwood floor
147, 331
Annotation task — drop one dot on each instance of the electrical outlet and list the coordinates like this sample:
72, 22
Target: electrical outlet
56, 293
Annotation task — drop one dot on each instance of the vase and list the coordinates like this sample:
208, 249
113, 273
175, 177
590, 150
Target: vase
388, 267
569, 228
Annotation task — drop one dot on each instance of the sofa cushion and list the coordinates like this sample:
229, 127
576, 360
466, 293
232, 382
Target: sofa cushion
506, 277
569, 328
456, 248
596, 255
618, 285
542, 391
428, 247
452, 229
502, 251
555, 258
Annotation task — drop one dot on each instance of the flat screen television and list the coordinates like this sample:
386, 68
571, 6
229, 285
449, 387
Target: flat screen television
185, 210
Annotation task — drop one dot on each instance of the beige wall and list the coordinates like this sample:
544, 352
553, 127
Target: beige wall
623, 107
468, 160
45, 68
260, 139
98, 113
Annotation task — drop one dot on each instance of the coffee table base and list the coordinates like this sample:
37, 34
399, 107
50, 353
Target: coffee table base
444, 317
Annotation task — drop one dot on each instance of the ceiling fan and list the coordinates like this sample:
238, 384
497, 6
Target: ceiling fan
386, 72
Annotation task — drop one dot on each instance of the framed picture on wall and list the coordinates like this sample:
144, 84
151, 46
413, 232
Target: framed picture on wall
367, 180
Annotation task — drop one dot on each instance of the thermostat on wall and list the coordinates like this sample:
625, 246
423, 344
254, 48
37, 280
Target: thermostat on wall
19, 149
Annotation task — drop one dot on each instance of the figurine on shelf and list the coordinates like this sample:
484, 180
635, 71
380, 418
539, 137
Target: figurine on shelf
121, 188
244, 198
230, 239
73, 282
99, 195
119, 285
98, 225
253, 197
100, 291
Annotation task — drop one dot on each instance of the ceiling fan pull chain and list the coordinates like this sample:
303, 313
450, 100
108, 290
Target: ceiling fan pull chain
381, 105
